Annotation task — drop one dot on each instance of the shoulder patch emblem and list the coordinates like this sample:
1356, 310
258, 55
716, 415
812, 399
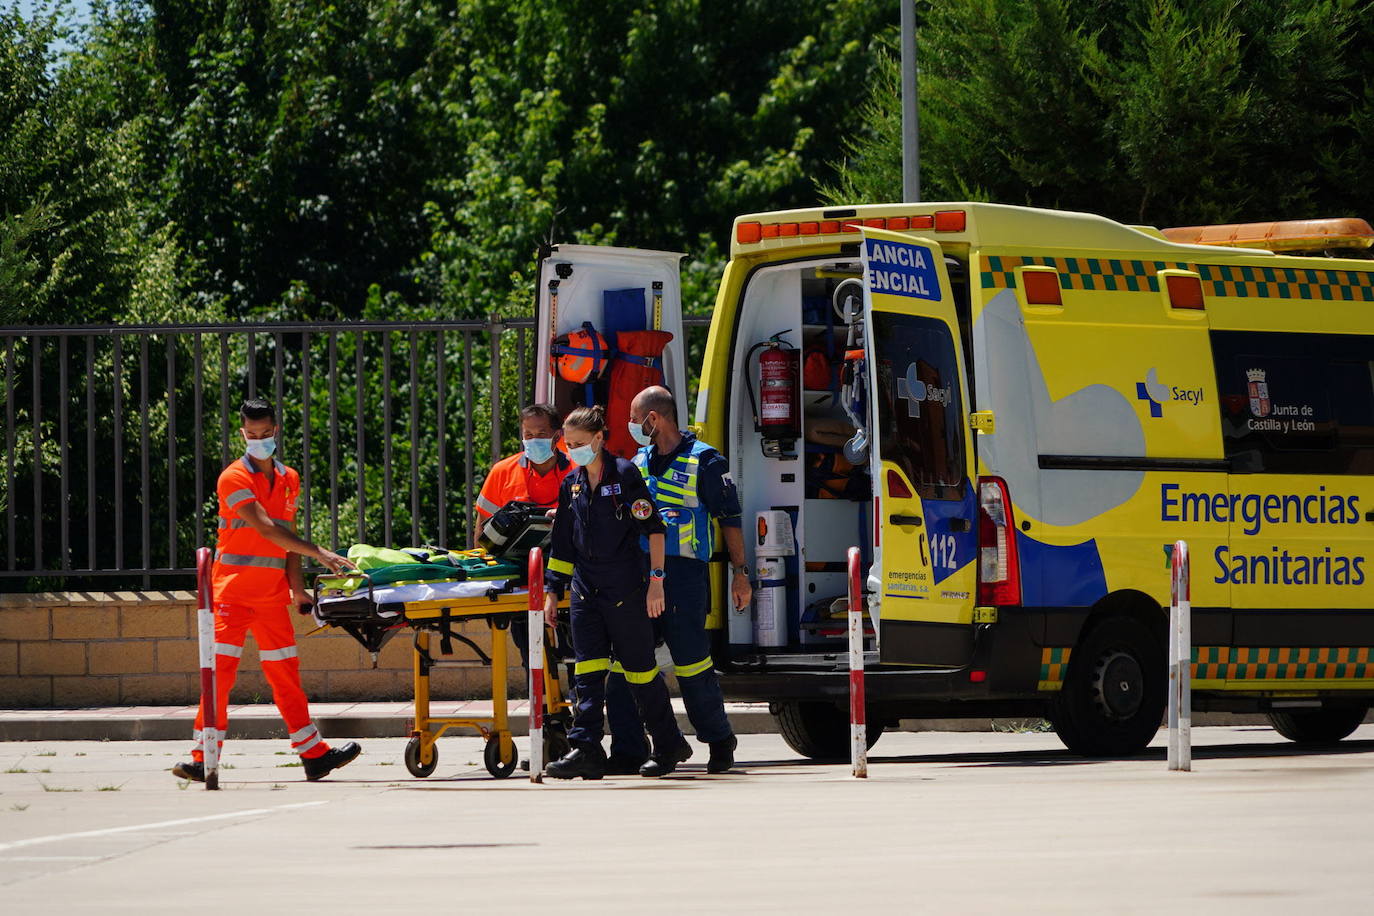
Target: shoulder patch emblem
642, 509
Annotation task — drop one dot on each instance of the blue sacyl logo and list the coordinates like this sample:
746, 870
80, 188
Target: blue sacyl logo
1157, 393
912, 390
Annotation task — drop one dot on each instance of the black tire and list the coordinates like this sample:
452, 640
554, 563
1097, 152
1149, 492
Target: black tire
819, 731
1317, 726
1112, 701
556, 742
412, 758
491, 756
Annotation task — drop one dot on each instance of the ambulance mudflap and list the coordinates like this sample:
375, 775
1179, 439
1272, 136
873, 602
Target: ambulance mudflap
926, 495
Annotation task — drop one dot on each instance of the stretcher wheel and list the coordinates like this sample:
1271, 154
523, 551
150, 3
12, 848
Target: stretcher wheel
491, 756
412, 757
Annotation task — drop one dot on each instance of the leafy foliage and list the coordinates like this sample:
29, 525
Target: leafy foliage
1151, 111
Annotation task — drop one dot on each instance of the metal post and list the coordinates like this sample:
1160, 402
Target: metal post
386, 439
64, 491
536, 653
1180, 663
414, 354
496, 327
911, 129
858, 728
441, 418
205, 621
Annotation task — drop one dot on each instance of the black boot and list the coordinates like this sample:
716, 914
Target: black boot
320, 767
623, 765
722, 755
193, 770
585, 760
663, 762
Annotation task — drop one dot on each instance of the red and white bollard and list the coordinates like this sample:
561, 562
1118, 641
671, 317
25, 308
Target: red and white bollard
536, 653
1181, 663
205, 627
858, 728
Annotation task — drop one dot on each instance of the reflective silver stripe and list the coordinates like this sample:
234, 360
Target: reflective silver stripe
224, 648
487, 505
302, 748
304, 733
243, 559
277, 655
240, 523
252, 468
238, 496
282, 523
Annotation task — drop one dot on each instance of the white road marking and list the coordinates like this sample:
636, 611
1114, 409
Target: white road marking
51, 858
57, 837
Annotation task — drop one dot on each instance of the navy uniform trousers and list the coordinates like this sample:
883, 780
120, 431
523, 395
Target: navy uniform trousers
612, 621
686, 593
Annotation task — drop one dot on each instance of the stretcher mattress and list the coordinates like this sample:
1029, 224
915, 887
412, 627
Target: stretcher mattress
388, 601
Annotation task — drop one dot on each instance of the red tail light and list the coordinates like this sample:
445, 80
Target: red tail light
896, 486
999, 567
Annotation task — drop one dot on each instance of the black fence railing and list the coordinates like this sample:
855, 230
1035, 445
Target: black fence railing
115, 435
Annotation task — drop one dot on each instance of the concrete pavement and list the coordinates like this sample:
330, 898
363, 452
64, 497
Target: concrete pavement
947, 822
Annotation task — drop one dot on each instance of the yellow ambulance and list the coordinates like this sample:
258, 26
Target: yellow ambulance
1015, 413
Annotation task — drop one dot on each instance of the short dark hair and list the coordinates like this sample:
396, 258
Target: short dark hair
587, 419
660, 401
547, 411
257, 409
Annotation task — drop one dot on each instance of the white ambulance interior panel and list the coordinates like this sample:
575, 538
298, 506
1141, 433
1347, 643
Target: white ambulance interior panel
603, 286
828, 500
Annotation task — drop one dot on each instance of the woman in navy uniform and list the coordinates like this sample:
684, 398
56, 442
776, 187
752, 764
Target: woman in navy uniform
603, 508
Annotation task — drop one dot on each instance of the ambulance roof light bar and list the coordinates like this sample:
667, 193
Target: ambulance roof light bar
751, 233
1281, 235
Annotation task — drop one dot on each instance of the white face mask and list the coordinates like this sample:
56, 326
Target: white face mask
262, 448
638, 434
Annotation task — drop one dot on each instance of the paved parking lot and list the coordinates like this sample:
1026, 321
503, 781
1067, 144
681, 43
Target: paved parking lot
947, 822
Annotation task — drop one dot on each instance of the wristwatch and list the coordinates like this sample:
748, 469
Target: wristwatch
740, 570
657, 573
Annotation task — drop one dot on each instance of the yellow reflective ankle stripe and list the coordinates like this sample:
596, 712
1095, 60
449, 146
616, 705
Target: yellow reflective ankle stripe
693, 670
591, 665
642, 677
560, 566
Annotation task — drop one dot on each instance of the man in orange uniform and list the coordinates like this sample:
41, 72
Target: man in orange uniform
532, 476
257, 574
535, 474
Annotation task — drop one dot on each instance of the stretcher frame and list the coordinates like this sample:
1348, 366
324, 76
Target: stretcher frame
500, 610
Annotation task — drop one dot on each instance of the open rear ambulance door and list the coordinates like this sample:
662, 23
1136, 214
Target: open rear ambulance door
574, 281
924, 471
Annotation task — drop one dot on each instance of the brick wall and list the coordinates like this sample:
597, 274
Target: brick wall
76, 649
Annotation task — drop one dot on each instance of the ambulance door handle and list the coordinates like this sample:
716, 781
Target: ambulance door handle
959, 525
905, 520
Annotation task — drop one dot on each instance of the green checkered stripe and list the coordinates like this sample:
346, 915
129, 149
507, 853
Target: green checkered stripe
1111, 274
1287, 283
1115, 274
1215, 663
1054, 661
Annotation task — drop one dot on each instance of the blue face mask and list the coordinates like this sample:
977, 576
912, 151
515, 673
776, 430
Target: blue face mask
583, 455
262, 448
639, 435
538, 450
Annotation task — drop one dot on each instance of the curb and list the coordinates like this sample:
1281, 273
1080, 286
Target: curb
261, 723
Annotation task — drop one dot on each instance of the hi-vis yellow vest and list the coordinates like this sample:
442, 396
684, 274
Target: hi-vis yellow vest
675, 494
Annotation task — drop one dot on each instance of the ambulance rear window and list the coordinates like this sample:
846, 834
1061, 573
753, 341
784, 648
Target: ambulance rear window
919, 403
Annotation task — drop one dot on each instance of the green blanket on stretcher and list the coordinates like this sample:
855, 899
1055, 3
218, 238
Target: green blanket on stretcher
387, 566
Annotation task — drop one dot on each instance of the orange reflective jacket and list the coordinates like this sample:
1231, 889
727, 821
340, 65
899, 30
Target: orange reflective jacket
249, 569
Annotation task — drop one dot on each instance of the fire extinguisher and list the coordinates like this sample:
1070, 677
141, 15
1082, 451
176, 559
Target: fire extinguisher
777, 412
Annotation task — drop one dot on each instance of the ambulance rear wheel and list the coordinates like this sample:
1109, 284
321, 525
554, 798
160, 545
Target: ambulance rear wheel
820, 731
491, 756
1113, 698
1317, 726
412, 758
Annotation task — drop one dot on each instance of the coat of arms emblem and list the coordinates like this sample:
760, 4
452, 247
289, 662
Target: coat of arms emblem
1258, 386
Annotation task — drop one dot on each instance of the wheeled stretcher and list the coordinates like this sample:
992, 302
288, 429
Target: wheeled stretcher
374, 614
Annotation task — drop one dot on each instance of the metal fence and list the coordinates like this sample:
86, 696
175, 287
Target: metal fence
115, 436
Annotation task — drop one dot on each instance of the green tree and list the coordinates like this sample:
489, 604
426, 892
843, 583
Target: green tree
1143, 110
